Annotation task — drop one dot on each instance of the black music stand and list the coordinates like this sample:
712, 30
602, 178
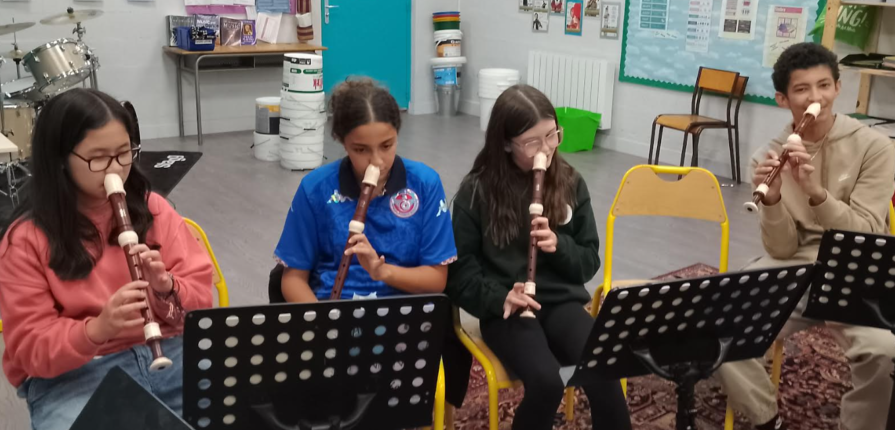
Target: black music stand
121, 403
855, 284
684, 330
351, 364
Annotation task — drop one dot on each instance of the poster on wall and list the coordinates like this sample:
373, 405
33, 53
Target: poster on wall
540, 21
541, 6
786, 26
738, 19
654, 14
573, 17
526, 5
699, 23
592, 8
557, 7
609, 25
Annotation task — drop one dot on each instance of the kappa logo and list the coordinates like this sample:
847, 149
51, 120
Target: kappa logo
442, 208
166, 164
337, 198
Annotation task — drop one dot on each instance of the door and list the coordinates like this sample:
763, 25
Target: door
368, 38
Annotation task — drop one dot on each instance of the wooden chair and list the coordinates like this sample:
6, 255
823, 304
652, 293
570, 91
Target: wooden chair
714, 81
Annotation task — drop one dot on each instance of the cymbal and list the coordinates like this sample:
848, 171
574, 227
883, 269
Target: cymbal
12, 28
16, 54
72, 17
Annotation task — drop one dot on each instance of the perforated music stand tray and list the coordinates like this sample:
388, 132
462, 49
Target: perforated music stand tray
684, 330
363, 364
855, 284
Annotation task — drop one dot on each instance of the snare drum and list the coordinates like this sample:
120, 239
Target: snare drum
23, 89
19, 119
59, 65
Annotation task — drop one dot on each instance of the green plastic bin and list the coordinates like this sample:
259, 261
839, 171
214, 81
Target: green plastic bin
579, 129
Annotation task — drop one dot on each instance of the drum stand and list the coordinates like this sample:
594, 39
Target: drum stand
13, 181
81, 31
2, 111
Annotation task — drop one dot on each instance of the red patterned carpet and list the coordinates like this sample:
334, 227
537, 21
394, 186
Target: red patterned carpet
815, 375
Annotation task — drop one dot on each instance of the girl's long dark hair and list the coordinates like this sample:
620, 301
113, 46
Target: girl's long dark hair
51, 199
499, 183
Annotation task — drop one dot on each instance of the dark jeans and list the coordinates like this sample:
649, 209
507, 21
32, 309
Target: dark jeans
535, 348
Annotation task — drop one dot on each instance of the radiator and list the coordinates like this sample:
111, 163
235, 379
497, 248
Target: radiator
571, 81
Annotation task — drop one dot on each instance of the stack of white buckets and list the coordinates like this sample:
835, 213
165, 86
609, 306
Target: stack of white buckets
302, 112
493, 82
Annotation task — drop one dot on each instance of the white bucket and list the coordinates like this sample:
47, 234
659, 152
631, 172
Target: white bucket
303, 73
448, 43
301, 140
302, 123
290, 131
303, 114
301, 157
486, 104
492, 83
266, 147
267, 115
296, 105
286, 96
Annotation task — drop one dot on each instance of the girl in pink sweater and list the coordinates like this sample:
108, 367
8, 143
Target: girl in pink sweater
69, 308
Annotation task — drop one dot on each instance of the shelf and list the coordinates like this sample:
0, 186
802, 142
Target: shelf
889, 3
874, 72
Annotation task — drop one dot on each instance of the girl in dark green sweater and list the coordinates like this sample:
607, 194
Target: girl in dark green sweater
492, 230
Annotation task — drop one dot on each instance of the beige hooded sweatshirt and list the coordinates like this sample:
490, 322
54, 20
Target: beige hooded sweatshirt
856, 165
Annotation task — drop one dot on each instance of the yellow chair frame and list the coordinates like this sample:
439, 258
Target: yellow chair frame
697, 195
217, 276
495, 374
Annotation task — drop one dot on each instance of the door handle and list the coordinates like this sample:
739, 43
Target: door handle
327, 7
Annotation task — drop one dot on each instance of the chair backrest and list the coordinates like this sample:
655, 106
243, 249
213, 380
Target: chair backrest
697, 195
717, 80
217, 276
722, 82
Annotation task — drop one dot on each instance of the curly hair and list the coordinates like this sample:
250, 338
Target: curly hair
802, 56
361, 101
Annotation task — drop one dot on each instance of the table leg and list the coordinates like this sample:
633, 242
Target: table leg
198, 100
179, 64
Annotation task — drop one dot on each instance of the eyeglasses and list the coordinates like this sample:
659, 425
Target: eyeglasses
100, 164
531, 147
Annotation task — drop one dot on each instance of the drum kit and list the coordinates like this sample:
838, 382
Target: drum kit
54, 67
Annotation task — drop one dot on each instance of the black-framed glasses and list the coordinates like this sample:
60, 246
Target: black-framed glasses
100, 164
530, 147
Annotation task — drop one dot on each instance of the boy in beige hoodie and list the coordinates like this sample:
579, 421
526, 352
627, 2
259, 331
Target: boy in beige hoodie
841, 177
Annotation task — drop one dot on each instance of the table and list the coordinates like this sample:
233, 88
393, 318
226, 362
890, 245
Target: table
7, 147
245, 51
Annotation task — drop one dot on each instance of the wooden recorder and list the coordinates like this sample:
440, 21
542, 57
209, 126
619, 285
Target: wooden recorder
356, 226
536, 209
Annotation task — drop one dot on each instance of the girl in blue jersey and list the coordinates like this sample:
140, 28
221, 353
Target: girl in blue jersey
408, 239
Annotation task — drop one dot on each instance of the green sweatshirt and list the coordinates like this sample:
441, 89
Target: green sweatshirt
856, 165
482, 276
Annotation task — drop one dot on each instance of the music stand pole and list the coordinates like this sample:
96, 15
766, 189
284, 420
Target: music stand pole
684, 330
860, 266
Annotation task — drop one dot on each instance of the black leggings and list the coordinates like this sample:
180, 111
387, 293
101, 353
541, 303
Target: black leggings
534, 349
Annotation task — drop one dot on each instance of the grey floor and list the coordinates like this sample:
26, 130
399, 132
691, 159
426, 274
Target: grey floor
241, 203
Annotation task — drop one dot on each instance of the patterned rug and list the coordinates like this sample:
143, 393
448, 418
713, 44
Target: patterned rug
815, 375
